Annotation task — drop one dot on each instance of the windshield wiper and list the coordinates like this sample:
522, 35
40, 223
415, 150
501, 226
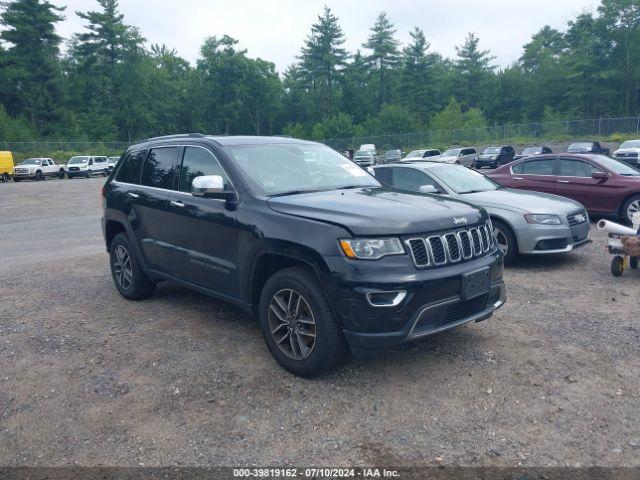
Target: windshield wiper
293, 192
473, 191
350, 187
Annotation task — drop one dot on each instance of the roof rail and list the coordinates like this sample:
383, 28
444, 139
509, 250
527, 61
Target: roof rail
178, 135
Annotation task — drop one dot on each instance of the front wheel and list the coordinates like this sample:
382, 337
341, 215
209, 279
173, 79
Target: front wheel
61, 174
298, 325
39, 176
506, 240
69, 176
128, 276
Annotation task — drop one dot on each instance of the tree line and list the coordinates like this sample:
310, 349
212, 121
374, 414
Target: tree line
109, 84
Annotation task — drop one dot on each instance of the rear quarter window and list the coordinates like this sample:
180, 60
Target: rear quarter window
129, 171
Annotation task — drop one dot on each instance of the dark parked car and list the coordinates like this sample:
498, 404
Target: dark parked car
603, 185
324, 255
493, 157
588, 147
392, 156
531, 151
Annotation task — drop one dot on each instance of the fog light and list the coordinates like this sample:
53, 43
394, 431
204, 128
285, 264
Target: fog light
386, 299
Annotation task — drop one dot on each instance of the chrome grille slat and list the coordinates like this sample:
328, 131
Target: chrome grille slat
437, 249
452, 243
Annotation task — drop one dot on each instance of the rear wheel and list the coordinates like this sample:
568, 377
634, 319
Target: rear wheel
130, 279
506, 240
631, 207
298, 325
5, 178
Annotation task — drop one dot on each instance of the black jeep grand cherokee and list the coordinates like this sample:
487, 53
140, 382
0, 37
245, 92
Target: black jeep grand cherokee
291, 231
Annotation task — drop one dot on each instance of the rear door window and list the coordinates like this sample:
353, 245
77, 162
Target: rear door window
535, 167
410, 179
159, 167
129, 171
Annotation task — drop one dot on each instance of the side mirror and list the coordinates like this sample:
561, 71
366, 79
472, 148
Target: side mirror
371, 171
210, 186
600, 175
428, 189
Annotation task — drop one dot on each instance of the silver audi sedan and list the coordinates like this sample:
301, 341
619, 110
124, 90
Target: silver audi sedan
523, 222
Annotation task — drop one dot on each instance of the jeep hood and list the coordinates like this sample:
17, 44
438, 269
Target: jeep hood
379, 210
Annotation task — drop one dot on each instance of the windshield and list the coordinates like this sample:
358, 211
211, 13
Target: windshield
451, 153
616, 166
73, 160
282, 169
31, 161
531, 150
364, 153
463, 180
631, 144
492, 150
393, 153
580, 146
415, 154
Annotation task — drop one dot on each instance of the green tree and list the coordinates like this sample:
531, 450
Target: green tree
384, 58
416, 85
30, 68
475, 70
322, 59
621, 20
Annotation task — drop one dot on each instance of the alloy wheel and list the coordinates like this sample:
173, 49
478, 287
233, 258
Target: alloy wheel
632, 208
292, 324
122, 267
501, 239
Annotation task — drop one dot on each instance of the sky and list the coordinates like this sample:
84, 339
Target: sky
276, 29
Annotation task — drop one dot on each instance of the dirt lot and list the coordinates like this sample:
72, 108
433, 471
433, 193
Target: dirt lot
89, 378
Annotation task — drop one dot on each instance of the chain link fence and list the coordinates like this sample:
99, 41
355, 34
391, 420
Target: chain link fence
520, 132
517, 132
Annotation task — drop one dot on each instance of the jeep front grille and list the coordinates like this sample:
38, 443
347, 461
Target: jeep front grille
451, 247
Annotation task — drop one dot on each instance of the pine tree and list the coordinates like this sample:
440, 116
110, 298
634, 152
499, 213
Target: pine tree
322, 59
416, 86
384, 58
32, 80
474, 69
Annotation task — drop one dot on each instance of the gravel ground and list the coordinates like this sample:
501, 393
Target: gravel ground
89, 378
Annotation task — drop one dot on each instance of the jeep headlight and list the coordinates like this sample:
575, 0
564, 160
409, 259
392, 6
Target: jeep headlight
371, 248
543, 219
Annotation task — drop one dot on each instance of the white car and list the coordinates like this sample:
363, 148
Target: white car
111, 163
37, 169
629, 152
463, 156
85, 166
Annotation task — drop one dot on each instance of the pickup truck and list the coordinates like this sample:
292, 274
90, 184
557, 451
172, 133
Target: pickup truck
37, 169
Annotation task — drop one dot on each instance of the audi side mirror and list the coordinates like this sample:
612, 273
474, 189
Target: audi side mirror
211, 186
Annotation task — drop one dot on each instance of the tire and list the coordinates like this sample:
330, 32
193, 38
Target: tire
5, 178
633, 262
17, 180
122, 259
506, 239
326, 350
69, 176
631, 206
39, 176
60, 174
617, 266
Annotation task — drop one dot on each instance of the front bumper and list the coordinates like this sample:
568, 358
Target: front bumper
433, 301
23, 175
485, 162
550, 239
